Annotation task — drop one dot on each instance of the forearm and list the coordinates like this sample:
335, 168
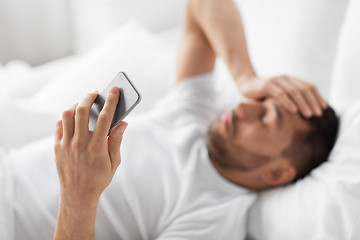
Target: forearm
76, 220
221, 23
86, 163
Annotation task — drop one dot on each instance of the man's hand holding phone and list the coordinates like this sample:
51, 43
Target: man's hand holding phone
87, 152
86, 162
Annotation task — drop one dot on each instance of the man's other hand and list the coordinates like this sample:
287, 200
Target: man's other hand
86, 161
294, 94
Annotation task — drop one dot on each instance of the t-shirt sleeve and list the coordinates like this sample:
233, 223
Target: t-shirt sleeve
193, 99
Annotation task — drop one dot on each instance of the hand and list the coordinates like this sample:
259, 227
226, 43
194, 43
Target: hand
294, 94
86, 160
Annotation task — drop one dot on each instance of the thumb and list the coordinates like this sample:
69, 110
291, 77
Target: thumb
115, 139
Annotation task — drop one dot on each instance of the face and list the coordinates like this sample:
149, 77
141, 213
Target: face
253, 130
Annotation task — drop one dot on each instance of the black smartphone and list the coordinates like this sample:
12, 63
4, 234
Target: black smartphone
128, 99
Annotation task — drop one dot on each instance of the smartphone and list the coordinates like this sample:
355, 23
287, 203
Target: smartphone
128, 99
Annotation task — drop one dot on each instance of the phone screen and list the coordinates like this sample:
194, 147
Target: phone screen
129, 97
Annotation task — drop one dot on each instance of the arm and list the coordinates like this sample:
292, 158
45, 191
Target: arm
214, 27
86, 163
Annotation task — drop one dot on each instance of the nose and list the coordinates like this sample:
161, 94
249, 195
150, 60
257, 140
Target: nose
249, 110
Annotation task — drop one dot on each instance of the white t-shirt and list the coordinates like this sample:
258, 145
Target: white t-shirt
165, 187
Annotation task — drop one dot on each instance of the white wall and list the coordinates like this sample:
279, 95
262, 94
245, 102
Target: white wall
92, 20
41, 30
298, 37
345, 87
34, 30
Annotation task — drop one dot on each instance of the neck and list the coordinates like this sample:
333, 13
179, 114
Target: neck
246, 179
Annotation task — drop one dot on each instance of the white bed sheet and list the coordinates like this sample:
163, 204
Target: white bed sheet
6, 197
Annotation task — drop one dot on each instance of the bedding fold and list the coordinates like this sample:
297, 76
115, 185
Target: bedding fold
6, 197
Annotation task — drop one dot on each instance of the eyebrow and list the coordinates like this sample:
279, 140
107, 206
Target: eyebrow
280, 116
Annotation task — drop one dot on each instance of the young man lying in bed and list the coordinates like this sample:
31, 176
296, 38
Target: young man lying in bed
180, 178
184, 175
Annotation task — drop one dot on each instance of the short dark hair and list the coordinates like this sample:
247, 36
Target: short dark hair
311, 148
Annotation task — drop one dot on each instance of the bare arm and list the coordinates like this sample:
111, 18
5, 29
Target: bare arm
76, 220
214, 27
86, 163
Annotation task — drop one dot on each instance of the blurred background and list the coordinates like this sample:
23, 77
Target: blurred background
54, 51
38, 31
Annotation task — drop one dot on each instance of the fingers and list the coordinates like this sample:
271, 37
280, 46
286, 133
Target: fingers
115, 139
283, 96
82, 114
320, 99
293, 90
107, 113
68, 122
58, 131
314, 104
311, 104
301, 95
294, 94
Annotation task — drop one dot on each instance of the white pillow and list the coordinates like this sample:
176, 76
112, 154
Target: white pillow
297, 37
146, 59
21, 123
346, 80
324, 205
92, 20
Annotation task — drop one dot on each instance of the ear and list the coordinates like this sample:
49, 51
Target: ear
278, 172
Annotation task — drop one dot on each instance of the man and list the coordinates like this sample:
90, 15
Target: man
185, 176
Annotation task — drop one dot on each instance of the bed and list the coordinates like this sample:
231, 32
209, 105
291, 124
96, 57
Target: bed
316, 41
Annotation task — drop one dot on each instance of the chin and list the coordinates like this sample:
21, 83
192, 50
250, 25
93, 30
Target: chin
216, 127
215, 141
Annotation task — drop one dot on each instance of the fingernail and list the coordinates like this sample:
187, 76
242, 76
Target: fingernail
114, 90
123, 127
324, 105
